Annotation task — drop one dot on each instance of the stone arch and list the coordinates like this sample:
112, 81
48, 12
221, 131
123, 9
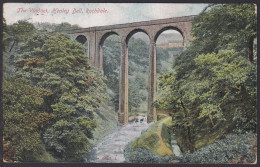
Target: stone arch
131, 33
81, 39
100, 47
105, 36
97, 35
169, 28
126, 42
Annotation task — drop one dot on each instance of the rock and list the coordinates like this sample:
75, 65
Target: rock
175, 161
131, 118
100, 157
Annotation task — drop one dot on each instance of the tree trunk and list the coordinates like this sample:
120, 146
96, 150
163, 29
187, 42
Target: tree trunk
250, 50
12, 46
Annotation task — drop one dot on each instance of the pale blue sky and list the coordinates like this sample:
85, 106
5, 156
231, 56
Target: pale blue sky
117, 13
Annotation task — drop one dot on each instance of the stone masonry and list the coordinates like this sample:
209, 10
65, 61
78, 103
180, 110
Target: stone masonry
97, 35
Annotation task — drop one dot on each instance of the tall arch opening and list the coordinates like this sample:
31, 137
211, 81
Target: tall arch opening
109, 48
138, 73
84, 42
169, 44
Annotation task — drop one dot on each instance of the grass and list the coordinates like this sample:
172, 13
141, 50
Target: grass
156, 139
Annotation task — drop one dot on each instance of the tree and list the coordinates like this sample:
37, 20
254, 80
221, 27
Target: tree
58, 64
213, 87
25, 119
234, 22
20, 31
65, 26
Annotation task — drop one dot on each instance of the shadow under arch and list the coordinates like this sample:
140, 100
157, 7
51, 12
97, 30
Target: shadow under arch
109, 64
100, 47
138, 70
81, 39
169, 28
134, 32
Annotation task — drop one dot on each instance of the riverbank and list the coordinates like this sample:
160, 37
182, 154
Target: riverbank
154, 146
111, 148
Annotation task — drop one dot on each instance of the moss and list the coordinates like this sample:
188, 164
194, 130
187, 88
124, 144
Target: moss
161, 116
148, 141
156, 139
166, 136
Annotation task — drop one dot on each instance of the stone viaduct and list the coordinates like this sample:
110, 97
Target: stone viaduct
95, 36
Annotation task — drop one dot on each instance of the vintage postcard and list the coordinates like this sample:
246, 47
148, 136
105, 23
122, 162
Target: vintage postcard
130, 83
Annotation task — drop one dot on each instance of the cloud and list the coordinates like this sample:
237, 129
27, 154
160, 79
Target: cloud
166, 10
117, 13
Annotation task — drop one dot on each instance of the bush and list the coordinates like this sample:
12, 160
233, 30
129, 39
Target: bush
141, 155
227, 150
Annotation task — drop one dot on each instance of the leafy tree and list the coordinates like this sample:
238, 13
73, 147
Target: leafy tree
213, 87
111, 68
6, 39
65, 26
25, 119
234, 22
20, 31
60, 65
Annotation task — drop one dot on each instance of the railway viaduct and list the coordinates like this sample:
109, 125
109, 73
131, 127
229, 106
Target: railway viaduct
97, 35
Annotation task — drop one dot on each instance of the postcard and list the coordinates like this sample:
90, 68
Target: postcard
162, 83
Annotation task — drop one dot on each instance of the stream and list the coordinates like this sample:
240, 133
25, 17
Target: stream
111, 148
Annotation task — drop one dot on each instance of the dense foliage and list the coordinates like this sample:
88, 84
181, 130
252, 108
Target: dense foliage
52, 99
213, 87
232, 149
25, 120
142, 155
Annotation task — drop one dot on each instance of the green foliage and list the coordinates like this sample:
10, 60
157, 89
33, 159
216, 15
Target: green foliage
111, 67
21, 30
25, 119
6, 39
213, 82
79, 91
142, 155
59, 65
156, 139
233, 147
224, 26
138, 71
67, 140
43, 27
65, 26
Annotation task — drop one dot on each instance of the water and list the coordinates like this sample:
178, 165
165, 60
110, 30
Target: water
175, 148
111, 148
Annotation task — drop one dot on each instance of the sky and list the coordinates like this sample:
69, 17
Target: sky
116, 13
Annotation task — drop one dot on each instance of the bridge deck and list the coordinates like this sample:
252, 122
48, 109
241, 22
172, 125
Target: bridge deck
134, 24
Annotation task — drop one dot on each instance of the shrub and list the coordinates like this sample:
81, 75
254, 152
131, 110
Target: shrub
141, 155
227, 150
